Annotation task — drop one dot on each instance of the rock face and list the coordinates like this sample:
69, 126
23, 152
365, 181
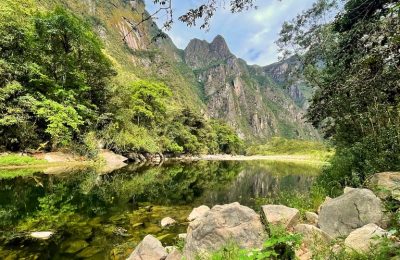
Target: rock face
387, 184
363, 238
231, 222
198, 212
254, 100
352, 210
150, 249
281, 215
165, 222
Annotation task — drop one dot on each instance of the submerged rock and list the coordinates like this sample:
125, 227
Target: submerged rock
165, 222
222, 224
74, 246
281, 215
150, 249
198, 212
44, 235
363, 238
352, 210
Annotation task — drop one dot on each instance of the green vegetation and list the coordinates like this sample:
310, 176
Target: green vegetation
279, 245
282, 146
60, 89
14, 160
352, 62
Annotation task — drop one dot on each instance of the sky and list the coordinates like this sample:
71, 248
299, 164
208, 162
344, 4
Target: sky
250, 35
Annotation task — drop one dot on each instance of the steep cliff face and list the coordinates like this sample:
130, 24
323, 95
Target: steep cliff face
257, 101
206, 77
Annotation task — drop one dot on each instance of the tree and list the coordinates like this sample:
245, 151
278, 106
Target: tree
353, 62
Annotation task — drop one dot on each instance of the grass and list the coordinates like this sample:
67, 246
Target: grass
282, 146
19, 160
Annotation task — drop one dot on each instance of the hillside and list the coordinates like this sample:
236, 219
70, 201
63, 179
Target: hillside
153, 96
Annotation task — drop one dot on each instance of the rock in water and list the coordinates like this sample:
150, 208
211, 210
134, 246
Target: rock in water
198, 212
387, 184
166, 222
42, 235
150, 249
221, 225
363, 238
352, 210
281, 215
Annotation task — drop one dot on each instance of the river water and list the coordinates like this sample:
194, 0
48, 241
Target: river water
104, 216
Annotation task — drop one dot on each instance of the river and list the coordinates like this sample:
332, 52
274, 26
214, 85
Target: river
104, 216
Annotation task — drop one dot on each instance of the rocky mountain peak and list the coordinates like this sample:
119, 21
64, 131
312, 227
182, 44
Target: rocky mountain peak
200, 53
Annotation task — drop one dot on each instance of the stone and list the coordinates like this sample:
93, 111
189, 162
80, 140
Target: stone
363, 238
166, 222
281, 215
387, 184
74, 246
175, 254
347, 189
43, 235
312, 235
352, 210
327, 199
311, 218
150, 249
112, 160
198, 212
222, 224
182, 236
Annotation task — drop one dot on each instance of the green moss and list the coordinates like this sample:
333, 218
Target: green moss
16, 160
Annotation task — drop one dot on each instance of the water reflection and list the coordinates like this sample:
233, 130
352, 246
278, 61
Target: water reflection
104, 216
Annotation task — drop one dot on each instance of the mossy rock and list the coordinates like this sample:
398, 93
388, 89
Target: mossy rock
74, 246
90, 251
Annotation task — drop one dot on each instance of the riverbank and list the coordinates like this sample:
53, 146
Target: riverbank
226, 157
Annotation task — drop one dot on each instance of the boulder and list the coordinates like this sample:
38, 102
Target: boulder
150, 249
387, 184
363, 238
323, 203
175, 254
312, 235
311, 218
352, 210
231, 223
198, 212
43, 235
281, 215
166, 222
347, 189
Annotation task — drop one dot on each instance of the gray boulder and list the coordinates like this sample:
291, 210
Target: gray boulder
174, 254
281, 215
231, 223
362, 239
354, 209
312, 235
150, 249
311, 218
198, 212
387, 184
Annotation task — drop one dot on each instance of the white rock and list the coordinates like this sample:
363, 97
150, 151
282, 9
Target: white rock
42, 235
198, 212
347, 189
150, 249
165, 222
281, 215
363, 238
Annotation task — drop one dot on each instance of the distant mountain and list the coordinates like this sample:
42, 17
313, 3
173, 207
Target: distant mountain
259, 102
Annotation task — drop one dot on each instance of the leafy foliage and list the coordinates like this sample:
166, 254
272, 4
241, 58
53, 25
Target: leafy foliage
353, 63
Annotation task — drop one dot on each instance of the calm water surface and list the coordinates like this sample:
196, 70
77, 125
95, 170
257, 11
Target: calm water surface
105, 216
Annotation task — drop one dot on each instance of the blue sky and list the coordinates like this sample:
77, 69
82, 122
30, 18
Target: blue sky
250, 35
